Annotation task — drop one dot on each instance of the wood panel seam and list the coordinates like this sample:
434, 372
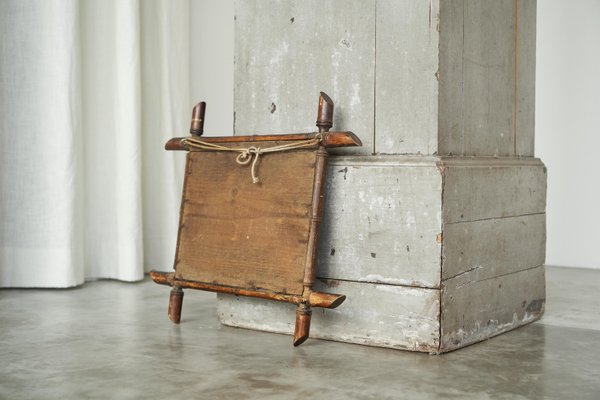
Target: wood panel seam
431, 163
491, 161
491, 218
374, 151
379, 283
488, 278
516, 99
442, 170
462, 85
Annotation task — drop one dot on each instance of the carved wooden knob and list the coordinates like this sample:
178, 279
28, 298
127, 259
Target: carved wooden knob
325, 113
197, 125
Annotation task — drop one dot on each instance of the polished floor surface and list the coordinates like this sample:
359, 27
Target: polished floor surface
111, 340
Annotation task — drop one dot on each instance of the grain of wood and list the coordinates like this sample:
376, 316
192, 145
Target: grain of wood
237, 233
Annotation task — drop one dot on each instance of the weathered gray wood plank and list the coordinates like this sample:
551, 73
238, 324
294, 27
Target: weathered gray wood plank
474, 310
493, 247
477, 100
451, 97
406, 84
489, 77
382, 221
526, 34
492, 188
286, 52
376, 315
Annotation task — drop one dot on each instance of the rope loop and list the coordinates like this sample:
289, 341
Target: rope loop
244, 158
252, 153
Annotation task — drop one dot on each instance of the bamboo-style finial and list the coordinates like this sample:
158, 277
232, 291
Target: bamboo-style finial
302, 328
325, 113
197, 125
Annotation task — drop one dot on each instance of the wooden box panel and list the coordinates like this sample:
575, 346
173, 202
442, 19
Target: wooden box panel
398, 317
382, 221
482, 276
222, 205
482, 188
475, 309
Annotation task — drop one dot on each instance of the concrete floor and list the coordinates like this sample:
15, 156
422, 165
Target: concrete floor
113, 340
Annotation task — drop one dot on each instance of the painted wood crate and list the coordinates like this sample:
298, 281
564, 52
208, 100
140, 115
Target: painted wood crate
435, 229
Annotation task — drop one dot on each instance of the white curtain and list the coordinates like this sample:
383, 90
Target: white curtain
89, 92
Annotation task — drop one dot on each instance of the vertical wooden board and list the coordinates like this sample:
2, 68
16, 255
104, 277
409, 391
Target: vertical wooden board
526, 39
474, 310
489, 77
382, 221
406, 85
286, 52
493, 247
375, 315
451, 97
492, 188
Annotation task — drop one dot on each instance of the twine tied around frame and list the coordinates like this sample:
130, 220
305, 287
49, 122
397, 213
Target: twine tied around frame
252, 154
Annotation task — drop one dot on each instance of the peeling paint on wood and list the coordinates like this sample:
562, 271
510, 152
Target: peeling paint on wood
409, 77
355, 257
406, 318
474, 309
286, 52
381, 222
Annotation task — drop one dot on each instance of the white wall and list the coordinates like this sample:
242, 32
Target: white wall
567, 111
212, 32
568, 127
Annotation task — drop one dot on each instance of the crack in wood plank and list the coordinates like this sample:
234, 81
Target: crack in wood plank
491, 218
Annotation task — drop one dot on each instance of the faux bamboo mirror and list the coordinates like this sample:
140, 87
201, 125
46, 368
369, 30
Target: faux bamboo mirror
250, 215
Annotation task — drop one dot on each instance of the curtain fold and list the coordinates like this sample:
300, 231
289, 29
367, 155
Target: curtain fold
87, 100
166, 50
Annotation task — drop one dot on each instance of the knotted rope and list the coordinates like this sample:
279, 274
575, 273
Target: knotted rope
252, 153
